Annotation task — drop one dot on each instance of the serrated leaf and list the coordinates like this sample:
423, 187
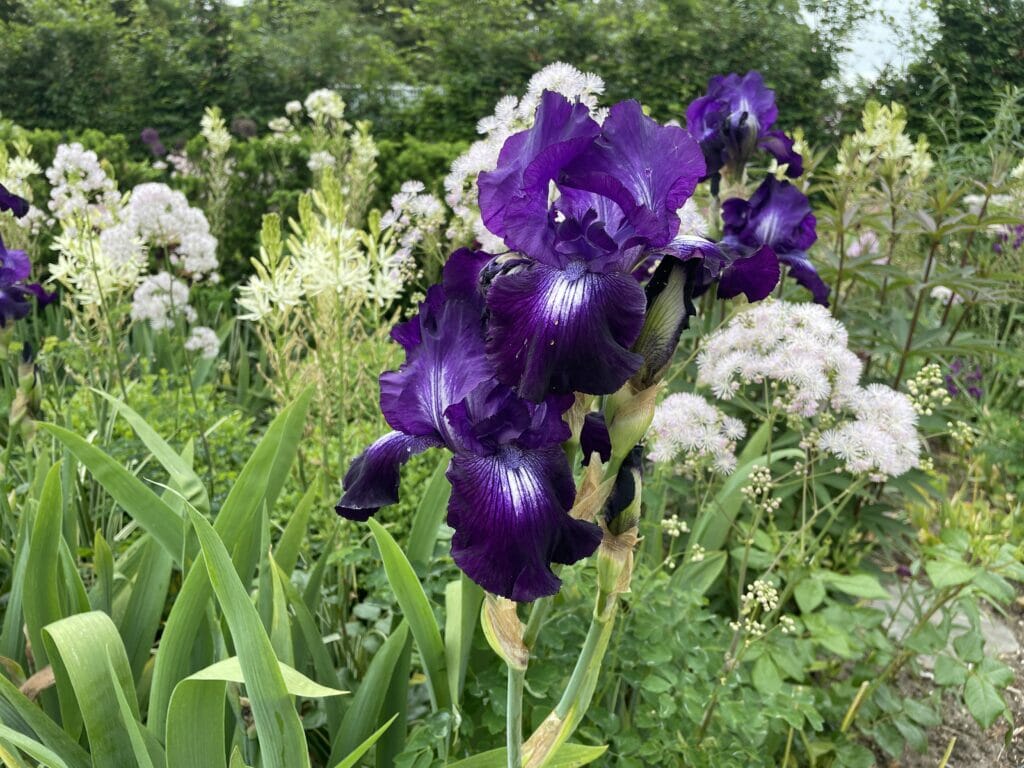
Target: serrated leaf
949, 573
765, 675
949, 671
983, 701
863, 585
809, 593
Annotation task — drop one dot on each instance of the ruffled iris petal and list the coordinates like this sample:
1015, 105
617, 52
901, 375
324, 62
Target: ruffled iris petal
777, 214
372, 480
514, 196
755, 276
801, 270
781, 148
509, 512
14, 265
564, 330
648, 170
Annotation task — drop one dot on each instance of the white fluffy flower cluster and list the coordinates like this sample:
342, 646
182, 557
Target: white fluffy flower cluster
798, 346
162, 218
688, 424
204, 341
160, 299
79, 185
415, 216
324, 104
882, 440
511, 115
16, 174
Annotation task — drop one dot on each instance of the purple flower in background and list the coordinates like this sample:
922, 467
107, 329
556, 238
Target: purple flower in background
778, 216
564, 313
735, 119
958, 380
512, 486
15, 293
151, 138
1016, 233
12, 202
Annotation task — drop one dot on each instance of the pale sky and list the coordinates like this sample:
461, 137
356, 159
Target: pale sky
877, 43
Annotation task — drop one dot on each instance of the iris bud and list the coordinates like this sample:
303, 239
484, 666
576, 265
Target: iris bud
504, 631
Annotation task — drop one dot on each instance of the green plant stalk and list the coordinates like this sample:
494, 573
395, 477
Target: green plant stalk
514, 717
540, 610
572, 707
966, 254
917, 314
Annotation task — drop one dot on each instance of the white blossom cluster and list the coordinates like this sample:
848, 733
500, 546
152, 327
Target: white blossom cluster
320, 160
800, 347
883, 140
511, 115
162, 218
799, 351
687, 424
204, 341
160, 299
79, 185
674, 527
323, 105
882, 440
215, 131
16, 174
943, 295
416, 215
92, 266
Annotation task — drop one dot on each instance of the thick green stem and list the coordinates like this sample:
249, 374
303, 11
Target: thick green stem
575, 701
514, 716
916, 316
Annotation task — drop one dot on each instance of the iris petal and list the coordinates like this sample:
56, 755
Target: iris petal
564, 330
755, 275
514, 197
648, 170
801, 270
509, 512
372, 480
12, 202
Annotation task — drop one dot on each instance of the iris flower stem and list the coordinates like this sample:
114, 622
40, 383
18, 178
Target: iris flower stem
514, 716
572, 707
538, 613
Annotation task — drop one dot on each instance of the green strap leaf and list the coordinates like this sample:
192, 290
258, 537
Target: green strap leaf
363, 713
31, 747
179, 470
144, 506
363, 748
25, 717
278, 728
89, 662
429, 514
416, 608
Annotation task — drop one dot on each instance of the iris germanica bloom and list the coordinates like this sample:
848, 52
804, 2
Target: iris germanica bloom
776, 225
565, 311
15, 293
11, 202
512, 485
735, 119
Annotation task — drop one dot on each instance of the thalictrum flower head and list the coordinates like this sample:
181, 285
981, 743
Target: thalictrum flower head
734, 119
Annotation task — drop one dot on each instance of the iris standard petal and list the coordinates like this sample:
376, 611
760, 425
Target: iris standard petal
514, 196
564, 330
755, 275
648, 169
594, 438
780, 146
510, 515
372, 480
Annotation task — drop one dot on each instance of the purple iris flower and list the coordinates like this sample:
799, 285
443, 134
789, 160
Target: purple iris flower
11, 202
775, 225
512, 486
15, 293
734, 119
151, 138
565, 311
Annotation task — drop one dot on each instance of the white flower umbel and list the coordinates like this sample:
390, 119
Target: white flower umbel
293, 107
321, 160
688, 425
942, 294
510, 116
204, 341
160, 299
882, 440
798, 346
80, 186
